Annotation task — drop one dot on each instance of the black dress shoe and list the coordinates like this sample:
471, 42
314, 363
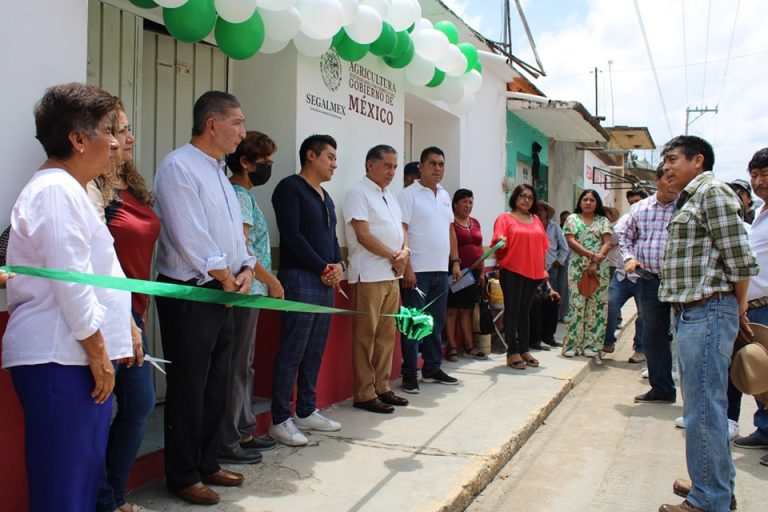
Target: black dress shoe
374, 405
240, 456
539, 346
259, 443
652, 397
392, 399
552, 343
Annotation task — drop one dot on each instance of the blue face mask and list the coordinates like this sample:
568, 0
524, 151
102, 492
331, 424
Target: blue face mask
261, 175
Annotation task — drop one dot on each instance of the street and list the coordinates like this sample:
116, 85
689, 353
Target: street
598, 451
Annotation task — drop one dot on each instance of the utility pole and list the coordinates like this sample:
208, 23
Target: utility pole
696, 110
596, 111
610, 78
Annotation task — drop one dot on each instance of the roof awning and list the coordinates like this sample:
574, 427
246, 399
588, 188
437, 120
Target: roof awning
566, 121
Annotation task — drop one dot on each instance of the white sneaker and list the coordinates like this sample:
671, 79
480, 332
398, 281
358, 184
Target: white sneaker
679, 422
644, 373
733, 430
317, 421
287, 433
569, 353
588, 352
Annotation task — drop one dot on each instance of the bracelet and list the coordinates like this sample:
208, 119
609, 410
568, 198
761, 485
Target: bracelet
455, 261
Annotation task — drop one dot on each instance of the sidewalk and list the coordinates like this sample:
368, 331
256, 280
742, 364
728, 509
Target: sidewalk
435, 454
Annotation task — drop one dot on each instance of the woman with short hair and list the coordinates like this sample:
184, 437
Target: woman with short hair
62, 337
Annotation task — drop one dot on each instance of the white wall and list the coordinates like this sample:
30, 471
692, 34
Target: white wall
266, 88
590, 162
38, 48
566, 174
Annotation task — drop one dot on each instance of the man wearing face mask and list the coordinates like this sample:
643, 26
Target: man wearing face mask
251, 166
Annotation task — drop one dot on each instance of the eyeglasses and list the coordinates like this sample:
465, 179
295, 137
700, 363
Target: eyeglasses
526, 196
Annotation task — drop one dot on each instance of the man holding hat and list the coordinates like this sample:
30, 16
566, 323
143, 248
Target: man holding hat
705, 275
757, 294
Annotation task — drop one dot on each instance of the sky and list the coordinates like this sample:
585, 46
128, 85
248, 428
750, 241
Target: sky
707, 53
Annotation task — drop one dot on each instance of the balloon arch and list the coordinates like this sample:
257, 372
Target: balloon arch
393, 30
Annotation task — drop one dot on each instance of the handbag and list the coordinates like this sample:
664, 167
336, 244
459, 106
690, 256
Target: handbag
588, 284
486, 318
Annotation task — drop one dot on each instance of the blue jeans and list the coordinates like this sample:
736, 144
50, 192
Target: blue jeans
760, 316
705, 336
558, 279
619, 293
656, 338
303, 337
435, 285
135, 395
65, 435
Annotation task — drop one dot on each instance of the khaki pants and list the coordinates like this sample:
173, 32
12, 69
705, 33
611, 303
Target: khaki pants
374, 341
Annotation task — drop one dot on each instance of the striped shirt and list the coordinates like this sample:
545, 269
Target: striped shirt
201, 227
707, 248
643, 234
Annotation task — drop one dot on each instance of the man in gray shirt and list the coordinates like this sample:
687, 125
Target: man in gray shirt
201, 244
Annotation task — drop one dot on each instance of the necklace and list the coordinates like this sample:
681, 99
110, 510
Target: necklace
468, 226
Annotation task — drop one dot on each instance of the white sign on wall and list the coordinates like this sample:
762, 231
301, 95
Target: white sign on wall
360, 104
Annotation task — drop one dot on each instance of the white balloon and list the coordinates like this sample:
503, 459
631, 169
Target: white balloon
451, 90
420, 71
464, 105
273, 45
349, 10
403, 13
431, 44
275, 5
281, 25
366, 27
423, 24
311, 47
380, 6
472, 81
235, 11
454, 63
320, 19
171, 4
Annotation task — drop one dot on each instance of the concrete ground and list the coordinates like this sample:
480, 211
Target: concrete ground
598, 451
435, 454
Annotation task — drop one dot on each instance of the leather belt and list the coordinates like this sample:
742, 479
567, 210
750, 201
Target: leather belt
758, 303
682, 306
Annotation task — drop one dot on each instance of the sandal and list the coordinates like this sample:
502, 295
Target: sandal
475, 352
517, 365
452, 355
532, 362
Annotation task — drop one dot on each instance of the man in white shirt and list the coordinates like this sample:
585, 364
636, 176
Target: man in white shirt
201, 244
427, 217
378, 254
757, 293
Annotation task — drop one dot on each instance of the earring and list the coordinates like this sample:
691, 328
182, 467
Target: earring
82, 150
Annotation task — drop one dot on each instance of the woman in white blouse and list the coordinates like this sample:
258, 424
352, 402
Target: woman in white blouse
62, 337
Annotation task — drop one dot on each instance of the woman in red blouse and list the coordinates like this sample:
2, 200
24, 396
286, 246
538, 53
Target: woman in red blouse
522, 270
469, 241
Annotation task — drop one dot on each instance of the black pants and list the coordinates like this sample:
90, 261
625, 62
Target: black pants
518, 294
543, 319
197, 339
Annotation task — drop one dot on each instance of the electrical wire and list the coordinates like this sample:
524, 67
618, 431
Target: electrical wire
730, 47
706, 51
653, 67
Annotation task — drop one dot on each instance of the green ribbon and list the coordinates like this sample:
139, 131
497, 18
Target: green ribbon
413, 323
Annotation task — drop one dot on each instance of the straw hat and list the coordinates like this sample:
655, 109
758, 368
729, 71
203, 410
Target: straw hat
548, 207
749, 369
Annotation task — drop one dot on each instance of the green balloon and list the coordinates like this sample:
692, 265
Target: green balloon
470, 52
386, 42
437, 78
341, 34
403, 59
403, 41
240, 40
410, 29
350, 50
144, 4
479, 66
449, 29
192, 21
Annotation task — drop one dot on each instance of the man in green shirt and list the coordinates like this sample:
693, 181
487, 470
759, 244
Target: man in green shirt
705, 274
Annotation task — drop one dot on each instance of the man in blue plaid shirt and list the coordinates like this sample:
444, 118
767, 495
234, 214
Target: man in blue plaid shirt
705, 275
